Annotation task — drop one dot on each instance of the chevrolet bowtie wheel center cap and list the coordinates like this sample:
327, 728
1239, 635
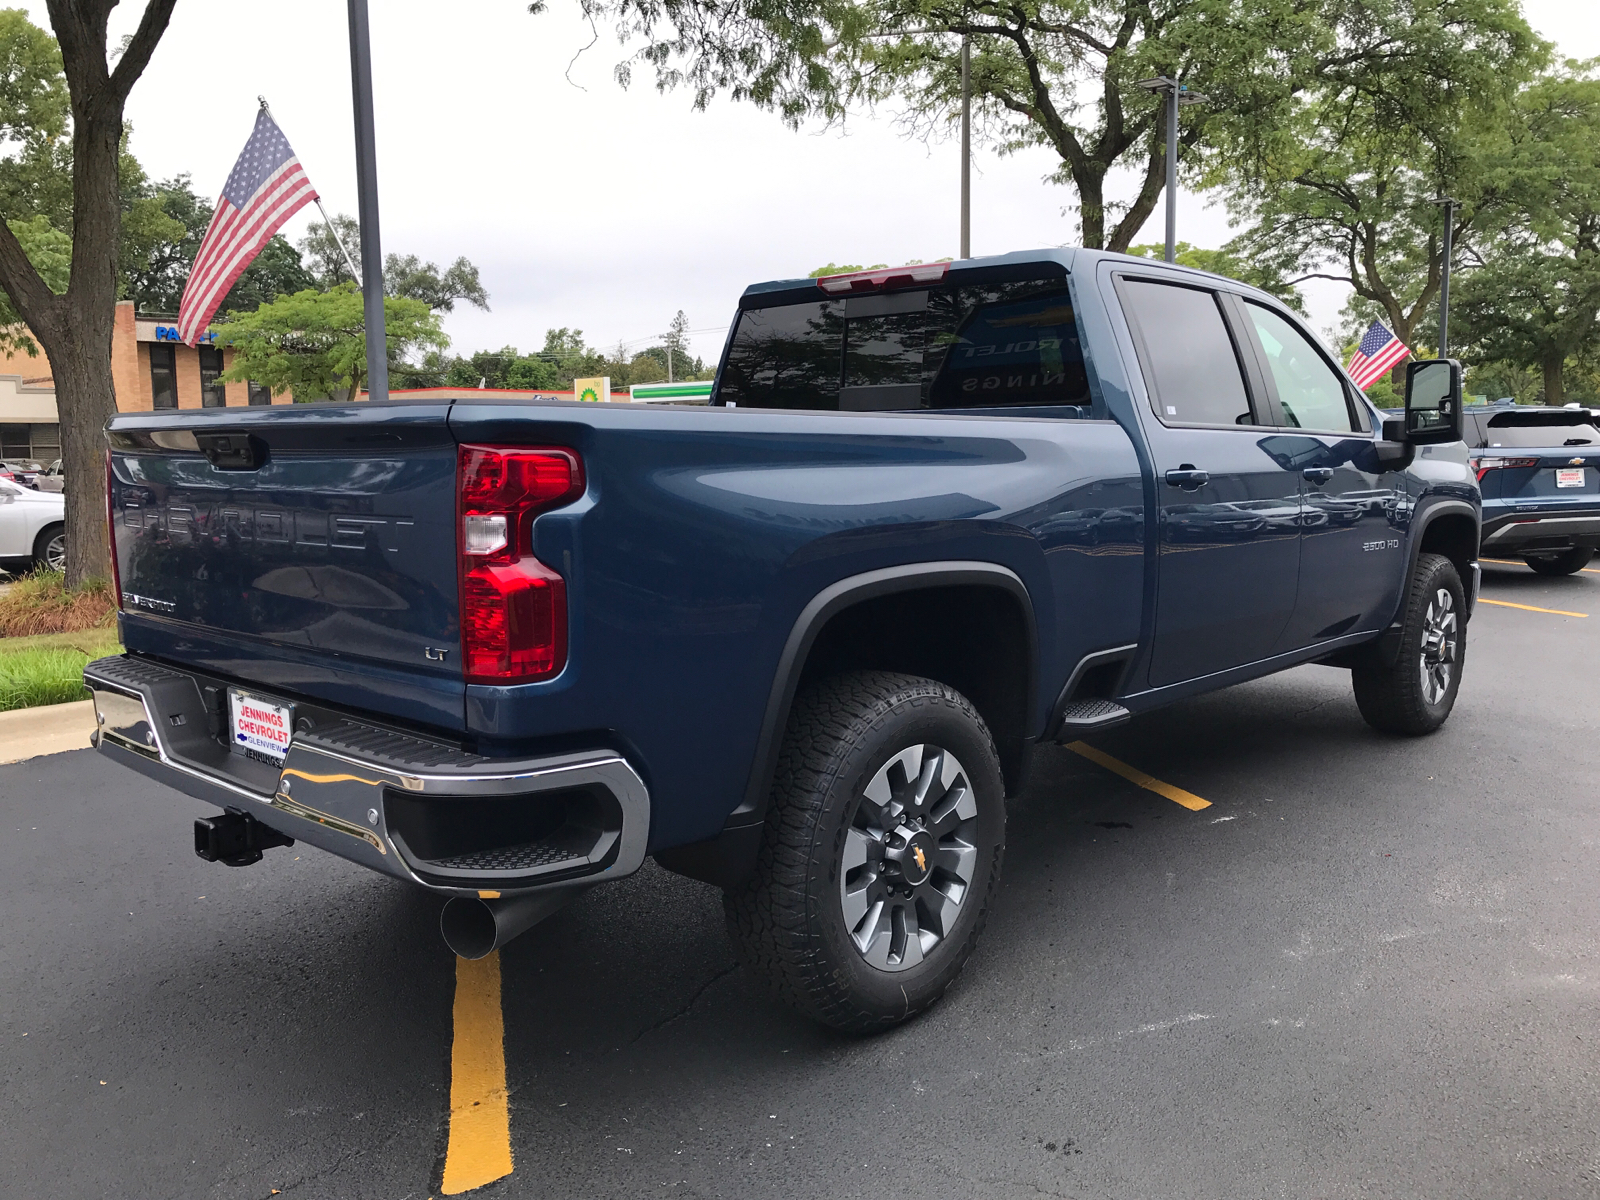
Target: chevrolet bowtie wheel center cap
912, 852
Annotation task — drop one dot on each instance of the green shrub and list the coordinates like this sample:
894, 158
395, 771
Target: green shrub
47, 675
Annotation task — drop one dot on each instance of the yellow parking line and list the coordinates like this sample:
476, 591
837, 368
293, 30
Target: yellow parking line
1512, 562
1176, 794
479, 1150
1555, 612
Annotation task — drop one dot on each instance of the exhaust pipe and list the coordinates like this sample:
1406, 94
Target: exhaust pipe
475, 928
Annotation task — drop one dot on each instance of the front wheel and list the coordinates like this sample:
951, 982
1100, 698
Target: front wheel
50, 548
1414, 694
1568, 562
881, 852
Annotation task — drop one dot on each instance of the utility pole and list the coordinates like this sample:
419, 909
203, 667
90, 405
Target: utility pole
1447, 203
966, 147
367, 203
1176, 94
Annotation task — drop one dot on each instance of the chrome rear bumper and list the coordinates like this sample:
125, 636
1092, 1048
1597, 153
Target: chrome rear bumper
408, 806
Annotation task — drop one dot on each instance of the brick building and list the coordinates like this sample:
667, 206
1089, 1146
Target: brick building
150, 369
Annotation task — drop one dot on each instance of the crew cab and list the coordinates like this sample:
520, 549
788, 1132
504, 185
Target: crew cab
800, 643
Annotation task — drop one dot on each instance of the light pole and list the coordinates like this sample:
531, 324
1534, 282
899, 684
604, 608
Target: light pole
367, 203
966, 147
1448, 204
1176, 94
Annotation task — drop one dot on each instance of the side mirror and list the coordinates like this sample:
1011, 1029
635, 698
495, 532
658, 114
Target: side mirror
1433, 402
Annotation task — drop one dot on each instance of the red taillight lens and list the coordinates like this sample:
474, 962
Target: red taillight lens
111, 532
513, 621
513, 607
1492, 463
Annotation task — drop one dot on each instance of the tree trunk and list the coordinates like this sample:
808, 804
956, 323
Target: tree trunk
85, 402
1555, 391
1402, 330
80, 348
75, 328
1091, 209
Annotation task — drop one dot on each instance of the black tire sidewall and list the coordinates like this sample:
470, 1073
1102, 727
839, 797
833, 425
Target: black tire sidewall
1568, 562
915, 717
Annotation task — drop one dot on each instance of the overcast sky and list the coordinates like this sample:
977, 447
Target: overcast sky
582, 204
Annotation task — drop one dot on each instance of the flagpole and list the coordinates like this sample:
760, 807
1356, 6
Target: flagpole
355, 271
367, 200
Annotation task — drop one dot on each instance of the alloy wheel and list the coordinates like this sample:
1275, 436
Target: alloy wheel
1439, 634
55, 552
909, 857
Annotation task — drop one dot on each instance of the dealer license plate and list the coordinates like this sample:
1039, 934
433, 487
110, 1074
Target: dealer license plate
258, 728
1569, 476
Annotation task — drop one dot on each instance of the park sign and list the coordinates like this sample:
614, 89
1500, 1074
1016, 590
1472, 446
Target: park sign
595, 390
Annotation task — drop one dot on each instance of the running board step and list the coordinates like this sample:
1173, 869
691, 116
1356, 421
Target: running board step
1080, 716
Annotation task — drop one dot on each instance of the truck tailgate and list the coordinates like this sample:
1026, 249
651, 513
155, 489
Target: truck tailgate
307, 549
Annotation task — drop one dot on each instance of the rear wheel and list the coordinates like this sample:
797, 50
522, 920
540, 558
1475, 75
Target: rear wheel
881, 852
1414, 694
1566, 563
50, 548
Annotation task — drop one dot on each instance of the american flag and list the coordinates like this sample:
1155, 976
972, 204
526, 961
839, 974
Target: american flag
266, 188
1378, 352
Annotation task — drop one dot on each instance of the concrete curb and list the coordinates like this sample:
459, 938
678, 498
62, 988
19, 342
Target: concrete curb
53, 729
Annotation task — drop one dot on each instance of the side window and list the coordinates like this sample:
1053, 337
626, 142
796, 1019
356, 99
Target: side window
1190, 365
1310, 393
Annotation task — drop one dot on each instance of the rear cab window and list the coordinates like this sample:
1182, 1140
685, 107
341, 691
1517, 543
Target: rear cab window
968, 345
1539, 430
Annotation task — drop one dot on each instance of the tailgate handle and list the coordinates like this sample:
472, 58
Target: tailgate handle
235, 451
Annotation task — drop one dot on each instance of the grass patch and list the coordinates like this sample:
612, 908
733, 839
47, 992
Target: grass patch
40, 602
46, 674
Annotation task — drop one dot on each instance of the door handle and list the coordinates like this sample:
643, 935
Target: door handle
1187, 477
1317, 474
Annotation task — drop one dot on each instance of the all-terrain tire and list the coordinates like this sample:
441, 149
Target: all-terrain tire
1414, 694
848, 734
1568, 562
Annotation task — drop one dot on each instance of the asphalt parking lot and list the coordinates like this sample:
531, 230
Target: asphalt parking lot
1368, 968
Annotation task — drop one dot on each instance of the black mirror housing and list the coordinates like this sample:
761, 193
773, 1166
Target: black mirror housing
1433, 402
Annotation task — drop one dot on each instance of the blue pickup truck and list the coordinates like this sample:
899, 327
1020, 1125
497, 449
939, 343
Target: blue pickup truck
800, 643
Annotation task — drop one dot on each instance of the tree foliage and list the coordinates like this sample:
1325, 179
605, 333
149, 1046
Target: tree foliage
315, 344
1343, 183
1268, 274
404, 275
1065, 74
1531, 298
162, 230
566, 356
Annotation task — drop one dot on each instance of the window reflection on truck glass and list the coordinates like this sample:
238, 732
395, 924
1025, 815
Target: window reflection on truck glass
1024, 352
786, 357
1309, 393
979, 346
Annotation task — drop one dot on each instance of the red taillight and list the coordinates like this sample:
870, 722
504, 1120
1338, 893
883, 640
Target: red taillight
1489, 463
884, 277
111, 532
513, 607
